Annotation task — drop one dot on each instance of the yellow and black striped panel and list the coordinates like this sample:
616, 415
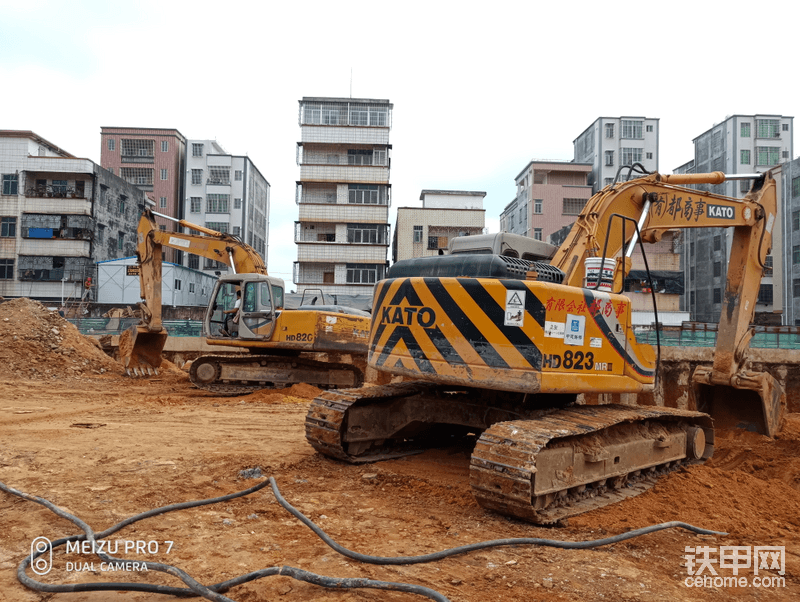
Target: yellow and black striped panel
458, 331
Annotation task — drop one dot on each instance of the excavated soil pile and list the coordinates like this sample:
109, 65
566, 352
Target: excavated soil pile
37, 343
299, 393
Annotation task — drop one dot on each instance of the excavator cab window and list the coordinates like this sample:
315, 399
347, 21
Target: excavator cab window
277, 296
257, 315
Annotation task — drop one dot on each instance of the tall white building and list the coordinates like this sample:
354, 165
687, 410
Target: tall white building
342, 232
226, 193
612, 142
742, 144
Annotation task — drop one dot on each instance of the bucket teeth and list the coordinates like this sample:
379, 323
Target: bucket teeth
136, 371
128, 371
149, 370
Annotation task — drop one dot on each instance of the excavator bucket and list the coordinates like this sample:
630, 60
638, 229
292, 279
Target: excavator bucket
140, 350
753, 401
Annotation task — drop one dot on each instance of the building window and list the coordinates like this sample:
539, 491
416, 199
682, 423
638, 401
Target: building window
164, 146
785, 127
177, 284
768, 265
573, 206
163, 174
649, 155
765, 294
238, 175
121, 205
795, 220
364, 273
717, 243
112, 144
537, 206
433, 243
195, 203
359, 156
162, 227
417, 233
609, 130
138, 176
120, 241
59, 188
768, 128
649, 128
609, 158
219, 175
6, 269
101, 234
608, 181
795, 186
784, 154
137, 148
218, 226
796, 254
768, 155
631, 129
197, 176
363, 194
365, 233
237, 231
237, 203
379, 157
197, 149
717, 295
744, 130
194, 261
796, 287
744, 157
717, 269
218, 203
631, 156
8, 227
10, 183
537, 234
191, 287
163, 202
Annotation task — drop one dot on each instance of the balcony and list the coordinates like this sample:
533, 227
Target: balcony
341, 253
366, 174
343, 214
136, 159
55, 192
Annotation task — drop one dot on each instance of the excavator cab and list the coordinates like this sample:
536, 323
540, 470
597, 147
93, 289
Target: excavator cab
261, 298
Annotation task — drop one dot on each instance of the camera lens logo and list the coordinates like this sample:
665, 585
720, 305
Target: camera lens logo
42, 564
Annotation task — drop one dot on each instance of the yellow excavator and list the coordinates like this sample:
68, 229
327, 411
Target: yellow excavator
279, 346
499, 348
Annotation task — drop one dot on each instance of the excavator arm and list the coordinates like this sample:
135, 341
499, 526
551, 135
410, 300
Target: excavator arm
657, 203
141, 346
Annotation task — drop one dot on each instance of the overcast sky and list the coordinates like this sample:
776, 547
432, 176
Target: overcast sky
478, 89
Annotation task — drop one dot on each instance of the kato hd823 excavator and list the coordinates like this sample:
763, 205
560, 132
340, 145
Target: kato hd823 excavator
280, 344
500, 347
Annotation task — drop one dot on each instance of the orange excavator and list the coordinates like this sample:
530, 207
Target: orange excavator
498, 348
278, 346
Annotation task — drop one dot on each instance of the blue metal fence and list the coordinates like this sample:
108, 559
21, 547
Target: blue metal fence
101, 326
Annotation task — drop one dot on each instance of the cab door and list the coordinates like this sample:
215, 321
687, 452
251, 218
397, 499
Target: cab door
257, 313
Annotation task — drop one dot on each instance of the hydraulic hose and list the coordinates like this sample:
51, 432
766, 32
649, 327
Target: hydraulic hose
213, 592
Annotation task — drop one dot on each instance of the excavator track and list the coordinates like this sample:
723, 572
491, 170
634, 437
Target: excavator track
582, 458
325, 422
227, 375
543, 467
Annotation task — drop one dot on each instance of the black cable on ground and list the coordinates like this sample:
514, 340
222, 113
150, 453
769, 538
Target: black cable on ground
533, 541
213, 592
194, 587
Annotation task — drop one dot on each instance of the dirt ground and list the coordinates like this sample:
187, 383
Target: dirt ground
103, 446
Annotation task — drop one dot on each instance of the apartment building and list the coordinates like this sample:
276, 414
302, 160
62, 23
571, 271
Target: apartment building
613, 142
444, 215
741, 144
59, 214
343, 194
151, 159
550, 195
789, 254
226, 193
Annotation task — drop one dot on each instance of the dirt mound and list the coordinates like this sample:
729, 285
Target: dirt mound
37, 343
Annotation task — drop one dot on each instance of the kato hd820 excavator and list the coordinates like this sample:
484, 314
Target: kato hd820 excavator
280, 344
500, 347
